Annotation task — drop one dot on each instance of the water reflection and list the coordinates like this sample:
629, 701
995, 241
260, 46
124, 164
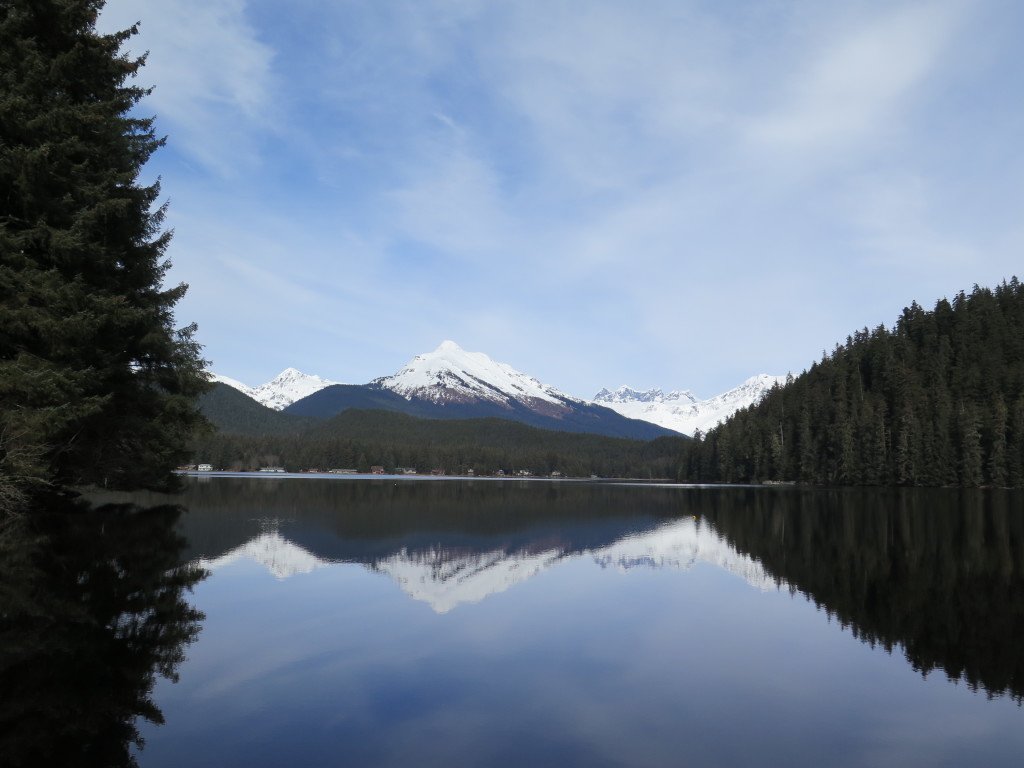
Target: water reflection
449, 544
938, 573
92, 610
536, 652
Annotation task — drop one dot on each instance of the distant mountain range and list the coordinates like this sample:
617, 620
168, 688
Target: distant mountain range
453, 383
681, 410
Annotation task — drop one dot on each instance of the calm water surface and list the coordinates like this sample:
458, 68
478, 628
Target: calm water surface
382, 623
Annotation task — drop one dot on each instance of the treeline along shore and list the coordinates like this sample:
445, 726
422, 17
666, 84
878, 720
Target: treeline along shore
363, 439
938, 400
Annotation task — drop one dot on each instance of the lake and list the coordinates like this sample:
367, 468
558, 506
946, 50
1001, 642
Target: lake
391, 622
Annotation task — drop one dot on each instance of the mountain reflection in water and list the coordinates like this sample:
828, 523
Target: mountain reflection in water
596, 624
446, 576
938, 573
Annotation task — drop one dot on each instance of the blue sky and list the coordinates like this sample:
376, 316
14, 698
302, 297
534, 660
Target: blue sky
658, 193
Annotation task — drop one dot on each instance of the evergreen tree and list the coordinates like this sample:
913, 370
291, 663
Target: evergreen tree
938, 401
96, 384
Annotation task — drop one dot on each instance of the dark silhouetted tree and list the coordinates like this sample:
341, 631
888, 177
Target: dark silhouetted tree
97, 384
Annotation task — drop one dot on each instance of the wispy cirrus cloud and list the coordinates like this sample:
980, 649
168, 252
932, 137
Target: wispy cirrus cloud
213, 77
453, 203
636, 181
856, 79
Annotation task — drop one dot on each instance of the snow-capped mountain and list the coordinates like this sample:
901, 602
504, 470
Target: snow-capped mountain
450, 374
245, 389
453, 383
682, 411
629, 395
287, 387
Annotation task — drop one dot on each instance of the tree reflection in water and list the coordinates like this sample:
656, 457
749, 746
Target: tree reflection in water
936, 573
92, 609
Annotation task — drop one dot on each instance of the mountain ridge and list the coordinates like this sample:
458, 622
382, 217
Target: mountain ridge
450, 382
281, 391
681, 410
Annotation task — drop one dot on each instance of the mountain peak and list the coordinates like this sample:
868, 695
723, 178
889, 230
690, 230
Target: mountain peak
284, 389
451, 374
289, 385
626, 394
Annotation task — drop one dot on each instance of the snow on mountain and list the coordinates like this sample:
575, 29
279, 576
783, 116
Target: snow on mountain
681, 410
245, 389
630, 395
451, 374
287, 387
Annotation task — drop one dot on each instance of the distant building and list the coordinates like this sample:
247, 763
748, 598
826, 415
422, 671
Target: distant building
205, 467
271, 469
344, 471
556, 473
437, 472
405, 470
376, 470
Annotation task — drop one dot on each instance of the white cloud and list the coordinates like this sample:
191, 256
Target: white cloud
609, 94
654, 173
453, 203
857, 80
211, 76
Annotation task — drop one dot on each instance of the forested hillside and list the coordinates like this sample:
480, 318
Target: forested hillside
358, 439
231, 411
936, 401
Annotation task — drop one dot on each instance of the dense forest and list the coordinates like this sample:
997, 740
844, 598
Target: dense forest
358, 439
936, 401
